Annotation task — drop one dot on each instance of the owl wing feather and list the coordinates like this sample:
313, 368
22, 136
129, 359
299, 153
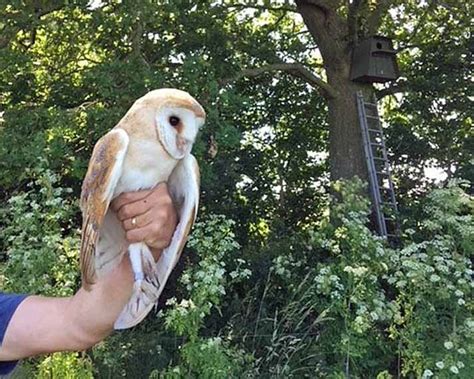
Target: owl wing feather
103, 174
183, 185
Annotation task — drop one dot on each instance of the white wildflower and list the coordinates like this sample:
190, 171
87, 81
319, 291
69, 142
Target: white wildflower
448, 345
460, 364
171, 301
434, 278
359, 320
427, 374
454, 370
461, 302
458, 293
461, 351
374, 316
357, 271
440, 364
187, 304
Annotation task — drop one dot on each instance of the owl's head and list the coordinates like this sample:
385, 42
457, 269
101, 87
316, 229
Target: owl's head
178, 117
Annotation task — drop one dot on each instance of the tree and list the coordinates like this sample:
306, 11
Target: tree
336, 37
336, 27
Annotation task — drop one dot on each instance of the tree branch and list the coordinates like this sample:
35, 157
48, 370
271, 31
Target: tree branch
406, 47
375, 18
23, 21
393, 89
295, 69
286, 8
326, 5
353, 20
43, 11
326, 26
417, 27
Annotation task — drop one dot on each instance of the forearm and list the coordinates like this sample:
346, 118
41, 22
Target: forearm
43, 325
94, 312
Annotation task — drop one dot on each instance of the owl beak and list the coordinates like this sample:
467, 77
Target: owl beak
181, 144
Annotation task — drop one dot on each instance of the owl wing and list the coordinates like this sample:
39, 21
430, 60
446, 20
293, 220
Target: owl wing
184, 189
183, 185
103, 173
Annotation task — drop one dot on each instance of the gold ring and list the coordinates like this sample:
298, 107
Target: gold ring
134, 221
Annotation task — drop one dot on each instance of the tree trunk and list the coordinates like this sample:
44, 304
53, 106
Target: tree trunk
331, 33
346, 149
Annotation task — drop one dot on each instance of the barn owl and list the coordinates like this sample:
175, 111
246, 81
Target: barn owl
151, 144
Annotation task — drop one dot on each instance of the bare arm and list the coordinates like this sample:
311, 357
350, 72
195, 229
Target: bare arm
44, 324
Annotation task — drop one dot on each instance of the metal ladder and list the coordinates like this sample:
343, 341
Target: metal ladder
380, 180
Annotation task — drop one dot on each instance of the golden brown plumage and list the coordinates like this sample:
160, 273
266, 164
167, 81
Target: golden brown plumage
94, 199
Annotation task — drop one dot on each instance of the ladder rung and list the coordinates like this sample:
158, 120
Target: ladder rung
370, 104
389, 204
382, 173
380, 159
372, 117
374, 130
376, 144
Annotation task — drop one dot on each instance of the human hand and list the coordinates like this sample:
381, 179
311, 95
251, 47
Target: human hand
147, 216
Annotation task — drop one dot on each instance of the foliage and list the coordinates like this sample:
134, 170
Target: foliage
39, 240
429, 126
208, 357
434, 277
364, 309
65, 365
325, 297
371, 309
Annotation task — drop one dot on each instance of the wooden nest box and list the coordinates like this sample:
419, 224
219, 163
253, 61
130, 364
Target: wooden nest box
374, 60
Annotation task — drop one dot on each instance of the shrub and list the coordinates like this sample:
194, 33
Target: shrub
332, 300
40, 239
205, 283
367, 309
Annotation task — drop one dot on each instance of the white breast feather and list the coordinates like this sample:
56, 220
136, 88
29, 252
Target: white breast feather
145, 165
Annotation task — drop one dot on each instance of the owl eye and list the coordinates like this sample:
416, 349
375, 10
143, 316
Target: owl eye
174, 121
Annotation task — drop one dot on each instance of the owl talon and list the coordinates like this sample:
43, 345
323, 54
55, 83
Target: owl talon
137, 286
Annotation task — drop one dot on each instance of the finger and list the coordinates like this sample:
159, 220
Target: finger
140, 220
158, 244
161, 199
160, 191
162, 236
129, 197
134, 209
162, 239
141, 234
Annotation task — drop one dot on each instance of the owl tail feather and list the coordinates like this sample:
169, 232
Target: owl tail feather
146, 287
